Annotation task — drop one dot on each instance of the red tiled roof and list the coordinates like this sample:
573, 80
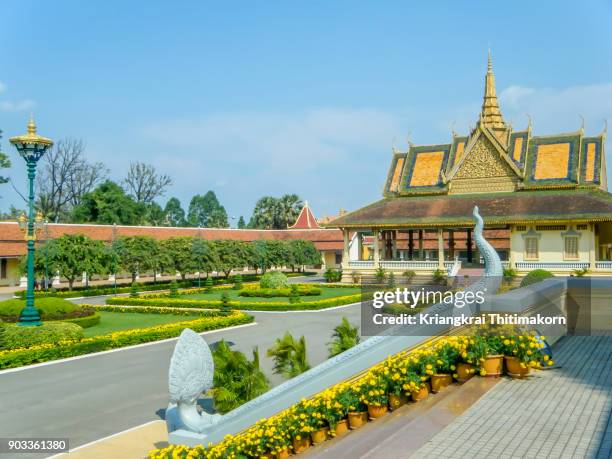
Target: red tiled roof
306, 219
12, 243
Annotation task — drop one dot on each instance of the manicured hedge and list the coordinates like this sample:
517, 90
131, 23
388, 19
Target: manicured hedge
45, 352
535, 276
166, 301
85, 322
162, 310
146, 286
50, 333
303, 290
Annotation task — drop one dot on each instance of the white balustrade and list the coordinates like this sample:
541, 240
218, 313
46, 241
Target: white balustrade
603, 265
361, 264
563, 265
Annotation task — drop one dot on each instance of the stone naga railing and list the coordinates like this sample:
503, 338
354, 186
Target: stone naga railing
191, 368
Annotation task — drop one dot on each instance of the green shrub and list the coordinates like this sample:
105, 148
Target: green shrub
535, 276
174, 289
238, 282
225, 303
332, 275
580, 272
391, 281
409, 275
134, 290
439, 276
380, 275
15, 336
208, 284
294, 296
49, 308
274, 279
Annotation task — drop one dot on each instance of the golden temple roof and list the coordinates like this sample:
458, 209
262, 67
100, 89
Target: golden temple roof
490, 115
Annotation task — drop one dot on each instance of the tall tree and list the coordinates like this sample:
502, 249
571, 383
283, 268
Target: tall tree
72, 255
64, 177
206, 212
241, 223
204, 255
137, 254
5, 162
276, 213
109, 204
175, 215
144, 183
302, 253
233, 255
177, 254
154, 214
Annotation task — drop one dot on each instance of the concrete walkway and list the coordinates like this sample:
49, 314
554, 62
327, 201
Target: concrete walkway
559, 413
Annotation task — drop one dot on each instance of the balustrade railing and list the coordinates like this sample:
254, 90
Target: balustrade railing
569, 265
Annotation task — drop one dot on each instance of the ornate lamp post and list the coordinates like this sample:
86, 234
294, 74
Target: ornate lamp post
31, 147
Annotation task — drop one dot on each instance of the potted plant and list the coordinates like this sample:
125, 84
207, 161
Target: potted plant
352, 401
336, 404
416, 385
470, 353
300, 427
395, 384
493, 363
375, 395
446, 358
523, 352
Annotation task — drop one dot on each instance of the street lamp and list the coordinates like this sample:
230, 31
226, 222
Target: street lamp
31, 147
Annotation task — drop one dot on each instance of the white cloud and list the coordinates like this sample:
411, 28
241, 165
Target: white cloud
558, 110
14, 106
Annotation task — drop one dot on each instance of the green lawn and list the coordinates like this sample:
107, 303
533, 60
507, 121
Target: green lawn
115, 321
328, 292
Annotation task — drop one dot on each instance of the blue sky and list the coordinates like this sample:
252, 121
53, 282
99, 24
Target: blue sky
265, 98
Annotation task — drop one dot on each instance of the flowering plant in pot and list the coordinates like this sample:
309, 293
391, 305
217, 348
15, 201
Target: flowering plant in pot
395, 383
351, 399
523, 352
416, 385
375, 396
447, 356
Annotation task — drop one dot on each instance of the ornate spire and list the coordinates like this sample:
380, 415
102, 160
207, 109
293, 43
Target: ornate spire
491, 114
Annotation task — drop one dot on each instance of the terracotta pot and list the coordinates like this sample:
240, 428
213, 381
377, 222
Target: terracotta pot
514, 368
464, 372
319, 436
440, 381
421, 393
341, 428
377, 411
301, 445
357, 419
395, 401
284, 454
493, 365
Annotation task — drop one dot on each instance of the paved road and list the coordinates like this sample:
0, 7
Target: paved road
89, 398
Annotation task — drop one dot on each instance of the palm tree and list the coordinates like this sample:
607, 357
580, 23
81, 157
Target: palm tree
289, 356
345, 336
237, 379
289, 207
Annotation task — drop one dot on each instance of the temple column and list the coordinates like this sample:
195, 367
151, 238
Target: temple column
451, 244
394, 245
410, 244
421, 252
468, 244
345, 249
376, 249
440, 249
360, 246
592, 255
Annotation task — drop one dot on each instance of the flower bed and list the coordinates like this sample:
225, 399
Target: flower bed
43, 353
110, 289
166, 301
324, 415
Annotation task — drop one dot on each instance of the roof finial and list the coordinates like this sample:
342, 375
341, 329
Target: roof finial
490, 115
31, 124
581, 123
605, 129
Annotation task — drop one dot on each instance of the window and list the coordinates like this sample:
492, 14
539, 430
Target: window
531, 248
571, 248
338, 259
550, 228
581, 227
521, 228
3, 263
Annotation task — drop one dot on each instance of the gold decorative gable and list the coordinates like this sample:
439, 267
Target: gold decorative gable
483, 170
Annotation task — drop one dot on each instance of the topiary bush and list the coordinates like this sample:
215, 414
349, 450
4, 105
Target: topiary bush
49, 309
15, 336
238, 282
274, 279
535, 276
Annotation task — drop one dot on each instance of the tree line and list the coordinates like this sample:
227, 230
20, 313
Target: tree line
71, 189
73, 254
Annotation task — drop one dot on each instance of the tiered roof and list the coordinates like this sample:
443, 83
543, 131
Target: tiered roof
516, 166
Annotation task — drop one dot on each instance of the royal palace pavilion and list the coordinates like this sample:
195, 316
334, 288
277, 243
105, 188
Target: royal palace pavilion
544, 200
